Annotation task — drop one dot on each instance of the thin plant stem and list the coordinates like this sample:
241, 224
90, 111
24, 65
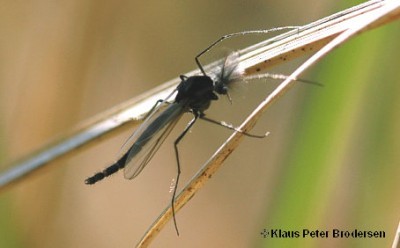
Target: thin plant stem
396, 240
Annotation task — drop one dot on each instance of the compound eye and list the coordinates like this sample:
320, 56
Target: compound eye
221, 89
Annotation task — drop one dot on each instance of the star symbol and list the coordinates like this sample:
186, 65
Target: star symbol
264, 233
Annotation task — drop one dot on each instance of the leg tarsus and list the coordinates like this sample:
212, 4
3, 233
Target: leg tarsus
231, 127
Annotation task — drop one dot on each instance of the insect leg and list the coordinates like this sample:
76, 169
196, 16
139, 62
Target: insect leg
228, 36
196, 116
155, 106
231, 127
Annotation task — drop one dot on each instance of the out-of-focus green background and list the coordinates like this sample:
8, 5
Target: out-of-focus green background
331, 160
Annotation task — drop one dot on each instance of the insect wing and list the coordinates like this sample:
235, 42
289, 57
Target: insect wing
155, 109
149, 137
230, 70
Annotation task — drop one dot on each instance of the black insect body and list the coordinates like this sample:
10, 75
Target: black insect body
194, 94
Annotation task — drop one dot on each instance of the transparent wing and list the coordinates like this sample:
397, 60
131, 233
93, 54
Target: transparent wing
230, 70
155, 109
145, 141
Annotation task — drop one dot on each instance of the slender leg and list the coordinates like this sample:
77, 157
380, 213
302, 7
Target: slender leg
196, 116
280, 77
155, 106
231, 127
237, 34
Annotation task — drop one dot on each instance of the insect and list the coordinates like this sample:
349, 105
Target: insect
194, 94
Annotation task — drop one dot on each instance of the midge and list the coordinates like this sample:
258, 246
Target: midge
193, 94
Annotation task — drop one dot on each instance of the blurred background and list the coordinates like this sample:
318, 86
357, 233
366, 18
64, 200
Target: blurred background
331, 160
